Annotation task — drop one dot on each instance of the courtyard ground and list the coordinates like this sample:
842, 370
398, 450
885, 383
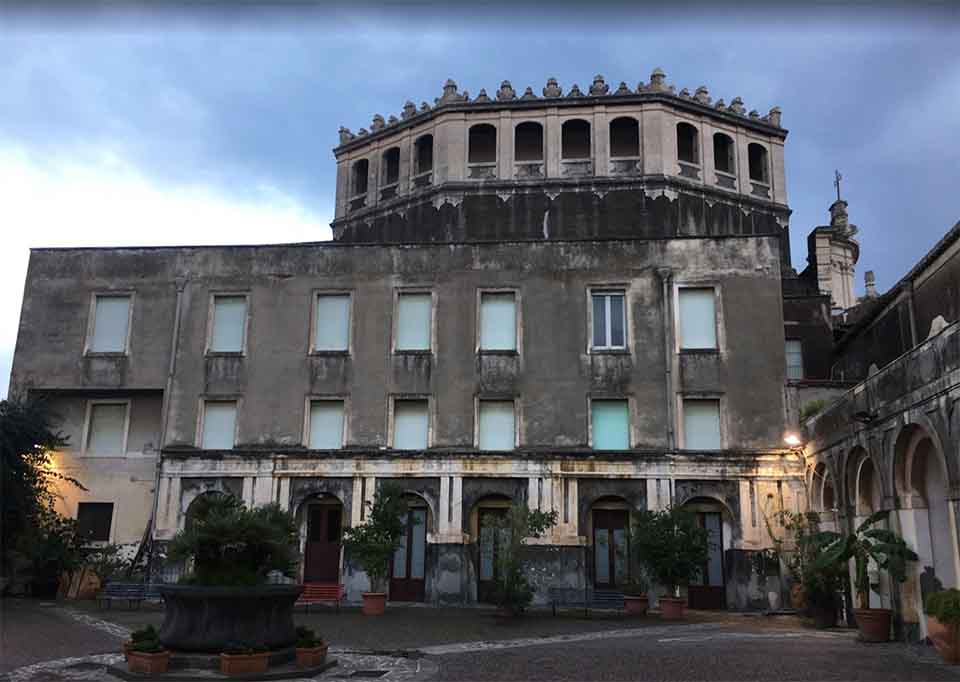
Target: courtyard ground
472, 644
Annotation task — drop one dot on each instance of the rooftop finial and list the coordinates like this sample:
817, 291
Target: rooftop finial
449, 92
506, 92
658, 81
409, 110
599, 86
552, 89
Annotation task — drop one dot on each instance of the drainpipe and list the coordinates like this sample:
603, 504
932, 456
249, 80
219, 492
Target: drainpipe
666, 280
181, 284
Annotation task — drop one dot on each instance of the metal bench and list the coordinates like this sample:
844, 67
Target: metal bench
588, 598
320, 593
132, 593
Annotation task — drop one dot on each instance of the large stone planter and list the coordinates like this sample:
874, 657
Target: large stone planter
207, 619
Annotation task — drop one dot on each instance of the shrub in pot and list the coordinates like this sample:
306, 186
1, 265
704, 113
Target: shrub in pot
943, 624
672, 548
147, 656
142, 635
311, 650
244, 659
635, 599
865, 544
512, 591
372, 544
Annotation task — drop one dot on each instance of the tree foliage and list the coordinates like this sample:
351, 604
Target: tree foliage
511, 531
230, 544
671, 546
33, 532
867, 543
373, 542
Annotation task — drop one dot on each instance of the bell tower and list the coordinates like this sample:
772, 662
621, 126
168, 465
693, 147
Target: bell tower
833, 252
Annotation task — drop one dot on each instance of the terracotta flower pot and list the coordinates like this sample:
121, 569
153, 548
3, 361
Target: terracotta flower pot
244, 664
374, 603
635, 604
874, 624
672, 608
946, 640
798, 596
127, 647
311, 657
148, 664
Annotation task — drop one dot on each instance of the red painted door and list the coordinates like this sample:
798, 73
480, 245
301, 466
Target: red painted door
322, 556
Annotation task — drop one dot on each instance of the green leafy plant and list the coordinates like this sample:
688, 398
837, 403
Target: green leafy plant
637, 586
372, 543
513, 591
887, 549
812, 408
147, 646
944, 606
307, 638
231, 545
671, 546
144, 634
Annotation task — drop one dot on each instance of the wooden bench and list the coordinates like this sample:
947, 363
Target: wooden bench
586, 598
321, 593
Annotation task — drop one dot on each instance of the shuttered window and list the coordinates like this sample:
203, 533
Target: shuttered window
106, 430
219, 425
332, 330
701, 424
698, 319
326, 424
497, 427
794, 359
229, 324
609, 315
413, 322
498, 321
111, 320
610, 424
410, 424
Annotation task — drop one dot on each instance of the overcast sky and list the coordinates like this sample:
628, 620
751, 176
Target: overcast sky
124, 127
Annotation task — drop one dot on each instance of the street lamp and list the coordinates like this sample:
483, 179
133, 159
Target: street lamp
793, 441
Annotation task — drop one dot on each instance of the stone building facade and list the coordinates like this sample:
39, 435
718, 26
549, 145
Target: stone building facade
572, 299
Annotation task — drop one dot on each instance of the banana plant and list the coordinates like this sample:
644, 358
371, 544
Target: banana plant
883, 546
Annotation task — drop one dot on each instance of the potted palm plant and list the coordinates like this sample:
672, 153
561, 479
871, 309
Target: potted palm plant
865, 544
311, 650
943, 624
672, 548
373, 543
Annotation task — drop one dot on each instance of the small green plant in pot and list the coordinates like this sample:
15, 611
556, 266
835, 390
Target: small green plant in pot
867, 543
513, 592
373, 543
672, 548
311, 650
144, 652
239, 658
943, 624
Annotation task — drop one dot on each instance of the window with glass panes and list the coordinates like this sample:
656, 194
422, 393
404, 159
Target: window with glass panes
609, 320
794, 359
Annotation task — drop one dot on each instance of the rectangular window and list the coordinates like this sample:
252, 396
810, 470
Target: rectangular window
111, 321
701, 424
219, 425
609, 317
497, 426
332, 327
94, 520
106, 431
698, 318
410, 424
610, 424
498, 321
413, 322
794, 359
326, 424
229, 324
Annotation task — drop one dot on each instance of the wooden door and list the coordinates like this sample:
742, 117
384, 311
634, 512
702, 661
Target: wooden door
708, 590
610, 548
322, 556
489, 552
407, 578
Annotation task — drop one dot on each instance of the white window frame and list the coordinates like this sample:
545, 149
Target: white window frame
786, 364
202, 413
721, 405
312, 342
631, 422
717, 316
394, 327
315, 398
88, 416
92, 321
496, 399
610, 289
391, 411
517, 323
211, 308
